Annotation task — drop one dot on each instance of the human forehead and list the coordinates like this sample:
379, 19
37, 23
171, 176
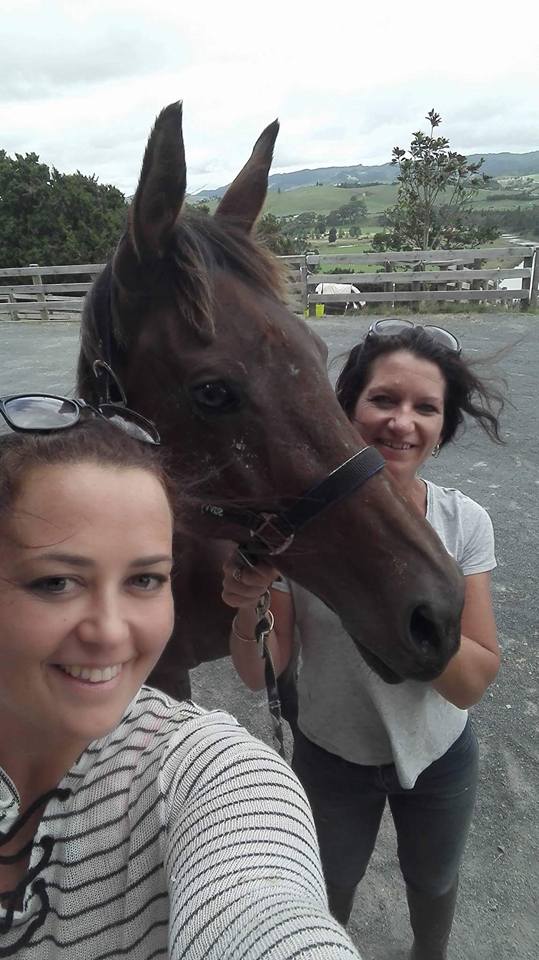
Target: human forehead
403, 370
66, 501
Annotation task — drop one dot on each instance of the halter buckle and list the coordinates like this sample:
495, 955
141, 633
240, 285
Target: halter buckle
274, 533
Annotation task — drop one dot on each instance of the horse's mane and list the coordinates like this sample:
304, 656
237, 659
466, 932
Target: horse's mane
200, 246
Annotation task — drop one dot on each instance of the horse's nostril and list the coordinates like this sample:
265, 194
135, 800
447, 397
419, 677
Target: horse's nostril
424, 632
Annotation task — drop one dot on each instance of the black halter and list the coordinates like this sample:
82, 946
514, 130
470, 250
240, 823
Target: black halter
272, 532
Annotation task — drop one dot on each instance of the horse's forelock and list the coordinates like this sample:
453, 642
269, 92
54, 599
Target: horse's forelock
200, 246
224, 244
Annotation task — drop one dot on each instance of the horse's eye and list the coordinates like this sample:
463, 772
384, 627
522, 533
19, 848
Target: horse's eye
215, 395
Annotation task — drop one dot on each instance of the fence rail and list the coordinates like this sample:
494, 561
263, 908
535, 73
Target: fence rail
43, 299
426, 256
424, 275
427, 275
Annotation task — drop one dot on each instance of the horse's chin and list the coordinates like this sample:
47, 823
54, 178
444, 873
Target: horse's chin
379, 667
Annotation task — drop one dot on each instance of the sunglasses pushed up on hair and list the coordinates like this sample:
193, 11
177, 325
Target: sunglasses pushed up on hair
393, 326
47, 413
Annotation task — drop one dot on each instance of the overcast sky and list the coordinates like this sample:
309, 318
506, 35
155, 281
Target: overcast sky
81, 82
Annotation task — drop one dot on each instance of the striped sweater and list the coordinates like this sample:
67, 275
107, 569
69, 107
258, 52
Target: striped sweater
177, 836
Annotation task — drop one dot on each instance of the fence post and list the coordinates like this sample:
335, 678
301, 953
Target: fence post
476, 265
442, 285
389, 287
13, 312
530, 283
304, 273
417, 285
476, 284
534, 278
36, 279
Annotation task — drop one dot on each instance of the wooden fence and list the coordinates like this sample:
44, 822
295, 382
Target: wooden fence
42, 296
427, 275
408, 277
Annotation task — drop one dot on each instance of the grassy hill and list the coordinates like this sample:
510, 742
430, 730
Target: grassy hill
325, 198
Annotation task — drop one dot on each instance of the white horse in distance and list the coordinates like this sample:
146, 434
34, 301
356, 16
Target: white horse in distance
336, 289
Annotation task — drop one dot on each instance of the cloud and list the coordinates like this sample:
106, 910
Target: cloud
62, 54
82, 87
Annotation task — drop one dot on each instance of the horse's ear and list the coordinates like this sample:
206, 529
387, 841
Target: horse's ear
245, 196
161, 189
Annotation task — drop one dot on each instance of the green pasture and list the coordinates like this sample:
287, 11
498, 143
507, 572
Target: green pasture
325, 198
361, 245
341, 247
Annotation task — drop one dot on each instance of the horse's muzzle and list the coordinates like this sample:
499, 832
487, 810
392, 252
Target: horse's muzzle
430, 643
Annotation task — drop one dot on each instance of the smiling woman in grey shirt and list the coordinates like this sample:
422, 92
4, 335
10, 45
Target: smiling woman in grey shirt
361, 742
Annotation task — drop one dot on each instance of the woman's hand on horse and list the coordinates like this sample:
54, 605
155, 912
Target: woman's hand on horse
243, 585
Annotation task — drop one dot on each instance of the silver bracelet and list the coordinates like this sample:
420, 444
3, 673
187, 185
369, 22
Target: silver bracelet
237, 633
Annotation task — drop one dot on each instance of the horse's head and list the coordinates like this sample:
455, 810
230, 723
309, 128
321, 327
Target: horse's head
200, 335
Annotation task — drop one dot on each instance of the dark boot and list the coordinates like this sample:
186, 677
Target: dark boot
288, 695
341, 901
431, 919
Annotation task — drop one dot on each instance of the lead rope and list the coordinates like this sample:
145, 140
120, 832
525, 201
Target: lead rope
263, 628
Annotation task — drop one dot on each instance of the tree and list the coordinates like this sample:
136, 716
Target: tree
436, 186
320, 225
349, 213
332, 235
200, 206
270, 230
522, 221
300, 225
50, 217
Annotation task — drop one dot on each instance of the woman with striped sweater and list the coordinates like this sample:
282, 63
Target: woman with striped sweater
130, 825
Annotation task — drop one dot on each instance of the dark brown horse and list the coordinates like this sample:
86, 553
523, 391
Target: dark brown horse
191, 314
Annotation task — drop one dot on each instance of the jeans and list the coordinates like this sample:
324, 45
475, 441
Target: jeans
431, 820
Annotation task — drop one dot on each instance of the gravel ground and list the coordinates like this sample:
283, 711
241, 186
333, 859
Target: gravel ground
497, 912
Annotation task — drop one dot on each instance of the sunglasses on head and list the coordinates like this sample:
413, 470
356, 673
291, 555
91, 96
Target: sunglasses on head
46, 413
393, 326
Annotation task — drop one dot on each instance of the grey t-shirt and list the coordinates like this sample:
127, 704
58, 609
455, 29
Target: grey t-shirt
347, 709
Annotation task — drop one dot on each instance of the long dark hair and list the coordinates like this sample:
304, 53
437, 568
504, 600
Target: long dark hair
466, 393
